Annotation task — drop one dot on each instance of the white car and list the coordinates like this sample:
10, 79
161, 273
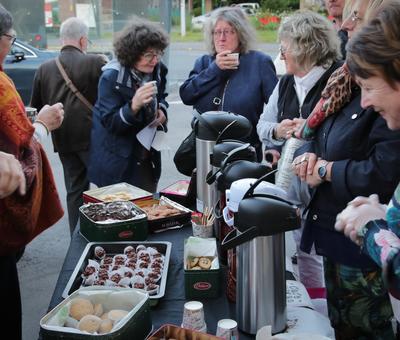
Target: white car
198, 22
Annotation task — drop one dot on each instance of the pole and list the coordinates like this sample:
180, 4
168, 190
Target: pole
183, 18
203, 7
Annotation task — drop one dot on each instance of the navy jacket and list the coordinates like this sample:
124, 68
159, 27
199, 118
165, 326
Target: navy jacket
243, 91
366, 160
114, 145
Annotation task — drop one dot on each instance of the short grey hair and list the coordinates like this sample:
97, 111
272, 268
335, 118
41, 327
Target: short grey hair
238, 20
73, 29
312, 39
6, 20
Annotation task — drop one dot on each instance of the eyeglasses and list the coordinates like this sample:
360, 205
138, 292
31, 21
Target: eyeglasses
12, 38
218, 33
283, 50
149, 56
354, 17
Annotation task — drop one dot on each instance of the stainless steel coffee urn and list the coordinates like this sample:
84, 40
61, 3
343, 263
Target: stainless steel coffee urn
261, 221
210, 127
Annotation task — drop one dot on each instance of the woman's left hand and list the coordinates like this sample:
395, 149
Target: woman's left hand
303, 165
352, 219
160, 119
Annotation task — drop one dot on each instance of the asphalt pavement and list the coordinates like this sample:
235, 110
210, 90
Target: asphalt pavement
44, 256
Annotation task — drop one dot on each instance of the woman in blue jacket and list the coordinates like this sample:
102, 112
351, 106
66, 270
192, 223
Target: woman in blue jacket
218, 82
131, 96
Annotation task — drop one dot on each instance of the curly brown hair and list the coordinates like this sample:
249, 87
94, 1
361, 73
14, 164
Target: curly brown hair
136, 38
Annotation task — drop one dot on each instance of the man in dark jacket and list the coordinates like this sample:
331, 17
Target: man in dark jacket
72, 139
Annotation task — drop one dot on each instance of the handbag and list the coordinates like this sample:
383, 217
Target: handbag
71, 85
185, 156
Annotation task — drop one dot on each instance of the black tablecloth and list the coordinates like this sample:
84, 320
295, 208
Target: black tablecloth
169, 308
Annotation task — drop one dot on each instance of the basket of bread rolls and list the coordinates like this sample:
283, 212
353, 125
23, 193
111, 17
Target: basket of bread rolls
106, 312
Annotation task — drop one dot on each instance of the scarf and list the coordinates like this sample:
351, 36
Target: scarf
336, 94
23, 217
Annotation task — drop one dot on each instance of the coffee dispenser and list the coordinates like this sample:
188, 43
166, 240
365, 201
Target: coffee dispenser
210, 127
261, 222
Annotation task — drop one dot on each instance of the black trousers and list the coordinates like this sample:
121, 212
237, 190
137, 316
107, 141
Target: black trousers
10, 314
76, 182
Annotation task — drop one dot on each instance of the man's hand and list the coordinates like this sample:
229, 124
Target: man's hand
52, 116
11, 175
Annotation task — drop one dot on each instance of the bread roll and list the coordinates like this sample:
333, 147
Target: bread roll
117, 314
105, 326
98, 309
80, 307
89, 323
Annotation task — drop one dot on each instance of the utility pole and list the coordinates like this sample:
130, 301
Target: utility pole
183, 18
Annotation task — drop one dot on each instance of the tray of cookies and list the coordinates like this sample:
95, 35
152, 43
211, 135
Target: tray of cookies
115, 192
164, 214
140, 265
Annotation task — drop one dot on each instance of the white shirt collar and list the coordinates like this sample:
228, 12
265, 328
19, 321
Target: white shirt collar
304, 84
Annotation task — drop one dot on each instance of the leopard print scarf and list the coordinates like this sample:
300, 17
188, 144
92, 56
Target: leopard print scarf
336, 94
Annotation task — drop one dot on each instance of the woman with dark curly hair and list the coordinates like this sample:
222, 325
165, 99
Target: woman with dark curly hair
131, 96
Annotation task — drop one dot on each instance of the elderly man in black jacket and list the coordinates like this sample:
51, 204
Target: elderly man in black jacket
72, 139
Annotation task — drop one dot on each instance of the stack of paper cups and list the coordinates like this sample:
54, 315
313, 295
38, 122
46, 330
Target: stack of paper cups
193, 316
227, 329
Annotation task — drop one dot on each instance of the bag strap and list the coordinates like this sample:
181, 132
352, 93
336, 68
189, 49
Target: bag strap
71, 85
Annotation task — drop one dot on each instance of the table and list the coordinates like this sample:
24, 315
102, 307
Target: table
170, 308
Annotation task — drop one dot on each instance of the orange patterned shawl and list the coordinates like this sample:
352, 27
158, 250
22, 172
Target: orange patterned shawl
24, 217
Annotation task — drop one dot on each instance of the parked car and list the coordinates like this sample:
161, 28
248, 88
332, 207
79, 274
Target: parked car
21, 64
198, 22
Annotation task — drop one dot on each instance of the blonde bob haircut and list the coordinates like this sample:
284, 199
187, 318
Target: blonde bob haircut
311, 38
235, 17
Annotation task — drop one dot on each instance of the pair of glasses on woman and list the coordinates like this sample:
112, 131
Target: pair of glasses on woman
12, 38
226, 33
149, 56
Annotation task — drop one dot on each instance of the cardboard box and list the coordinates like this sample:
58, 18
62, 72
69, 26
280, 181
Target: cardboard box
166, 223
201, 283
135, 229
179, 333
115, 192
137, 322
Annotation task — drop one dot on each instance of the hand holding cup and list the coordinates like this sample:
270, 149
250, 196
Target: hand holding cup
144, 95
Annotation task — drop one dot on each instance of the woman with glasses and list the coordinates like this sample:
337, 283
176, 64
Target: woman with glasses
29, 204
131, 97
232, 76
310, 48
350, 152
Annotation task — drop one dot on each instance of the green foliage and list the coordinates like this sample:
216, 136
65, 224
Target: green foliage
279, 6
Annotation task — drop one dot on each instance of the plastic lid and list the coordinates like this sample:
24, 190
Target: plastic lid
219, 120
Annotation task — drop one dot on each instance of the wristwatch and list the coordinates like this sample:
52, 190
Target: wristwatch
322, 171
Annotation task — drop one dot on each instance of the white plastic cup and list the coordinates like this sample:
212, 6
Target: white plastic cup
236, 56
154, 84
193, 316
31, 113
227, 329
203, 231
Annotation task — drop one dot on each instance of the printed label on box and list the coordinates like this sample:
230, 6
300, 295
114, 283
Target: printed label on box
125, 234
202, 286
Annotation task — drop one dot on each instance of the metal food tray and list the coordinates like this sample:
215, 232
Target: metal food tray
113, 248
